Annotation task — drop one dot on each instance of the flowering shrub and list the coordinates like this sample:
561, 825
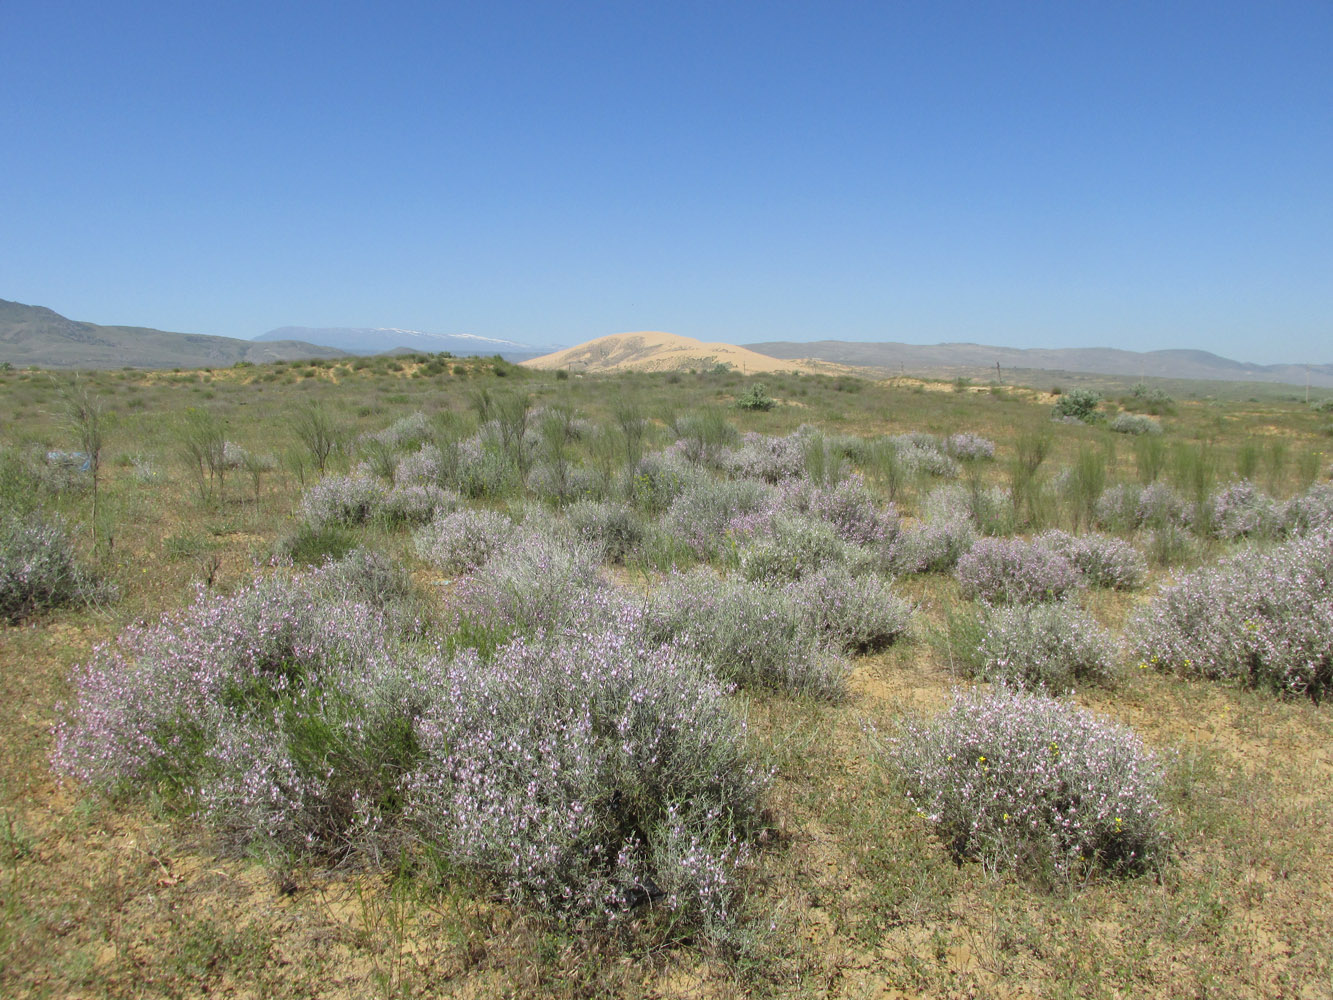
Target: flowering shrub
932, 547
417, 503
39, 570
403, 432
534, 583
588, 774
846, 505
1239, 510
765, 458
422, 467
582, 775
1019, 780
1159, 505
989, 510
1102, 560
704, 515
854, 614
1051, 645
793, 548
342, 500
484, 470
463, 540
1261, 618
1012, 571
658, 480
923, 454
273, 714
969, 447
747, 634
613, 530
1117, 509
1310, 511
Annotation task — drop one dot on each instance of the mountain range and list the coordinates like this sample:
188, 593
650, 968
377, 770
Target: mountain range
979, 361
35, 335
377, 340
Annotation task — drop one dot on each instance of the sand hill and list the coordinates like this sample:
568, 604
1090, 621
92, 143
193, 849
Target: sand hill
656, 352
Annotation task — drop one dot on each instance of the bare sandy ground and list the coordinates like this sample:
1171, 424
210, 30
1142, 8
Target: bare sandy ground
654, 351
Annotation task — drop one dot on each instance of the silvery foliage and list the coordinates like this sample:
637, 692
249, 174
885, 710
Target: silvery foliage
1241, 510
463, 540
1019, 780
1262, 618
924, 454
765, 458
1053, 646
970, 447
1103, 561
710, 513
342, 500
1134, 423
614, 530
1013, 571
39, 568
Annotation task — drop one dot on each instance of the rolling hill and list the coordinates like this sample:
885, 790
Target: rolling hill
377, 340
653, 351
35, 335
979, 360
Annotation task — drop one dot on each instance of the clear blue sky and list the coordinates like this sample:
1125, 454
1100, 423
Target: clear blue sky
1141, 175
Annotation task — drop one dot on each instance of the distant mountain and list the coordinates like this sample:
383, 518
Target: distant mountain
978, 359
35, 335
377, 340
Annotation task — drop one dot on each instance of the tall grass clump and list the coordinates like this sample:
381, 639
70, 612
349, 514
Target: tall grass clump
1012, 571
39, 569
1020, 781
1262, 618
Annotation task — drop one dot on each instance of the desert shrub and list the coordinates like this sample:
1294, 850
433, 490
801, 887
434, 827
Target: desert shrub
39, 569
710, 510
854, 614
988, 510
589, 774
791, 549
932, 547
657, 480
1012, 571
485, 471
847, 506
969, 447
308, 545
765, 458
1102, 560
614, 531
276, 717
1117, 509
1077, 404
1134, 423
417, 503
1054, 645
342, 500
463, 540
421, 467
750, 635
1239, 510
534, 583
1159, 505
404, 432
701, 435
1149, 400
755, 397
922, 454
1310, 511
1021, 781
560, 484
364, 576
1260, 618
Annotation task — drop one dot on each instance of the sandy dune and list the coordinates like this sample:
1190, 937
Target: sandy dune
654, 352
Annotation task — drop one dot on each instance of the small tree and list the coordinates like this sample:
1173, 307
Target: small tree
85, 417
316, 430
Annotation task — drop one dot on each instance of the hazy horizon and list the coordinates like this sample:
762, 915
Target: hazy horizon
1027, 175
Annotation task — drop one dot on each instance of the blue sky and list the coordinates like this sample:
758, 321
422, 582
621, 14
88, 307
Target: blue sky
1028, 174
